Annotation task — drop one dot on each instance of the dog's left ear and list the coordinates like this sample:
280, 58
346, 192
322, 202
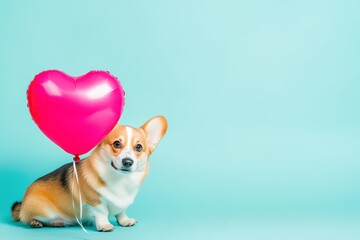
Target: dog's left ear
154, 129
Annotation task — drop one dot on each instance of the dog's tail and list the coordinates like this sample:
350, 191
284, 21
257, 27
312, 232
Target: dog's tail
15, 211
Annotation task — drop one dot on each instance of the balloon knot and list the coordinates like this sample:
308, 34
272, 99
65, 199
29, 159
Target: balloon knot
76, 158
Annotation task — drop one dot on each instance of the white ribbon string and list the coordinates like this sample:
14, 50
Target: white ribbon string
80, 198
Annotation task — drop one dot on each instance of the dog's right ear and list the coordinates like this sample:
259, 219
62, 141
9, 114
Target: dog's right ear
154, 129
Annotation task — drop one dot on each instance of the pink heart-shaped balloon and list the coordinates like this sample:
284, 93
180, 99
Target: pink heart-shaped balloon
75, 112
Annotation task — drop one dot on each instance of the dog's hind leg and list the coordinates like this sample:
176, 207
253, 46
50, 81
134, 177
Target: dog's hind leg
36, 224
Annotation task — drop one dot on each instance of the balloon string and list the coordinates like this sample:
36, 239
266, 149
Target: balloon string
80, 198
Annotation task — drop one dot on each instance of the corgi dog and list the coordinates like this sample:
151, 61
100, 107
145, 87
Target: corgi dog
109, 180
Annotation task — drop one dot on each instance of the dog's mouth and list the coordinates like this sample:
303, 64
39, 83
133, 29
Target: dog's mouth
112, 164
121, 169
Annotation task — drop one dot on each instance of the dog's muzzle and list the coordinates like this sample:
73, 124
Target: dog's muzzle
127, 163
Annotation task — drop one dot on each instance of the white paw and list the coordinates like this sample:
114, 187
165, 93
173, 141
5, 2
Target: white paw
105, 227
127, 222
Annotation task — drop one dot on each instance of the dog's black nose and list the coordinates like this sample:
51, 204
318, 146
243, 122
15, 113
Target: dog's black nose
127, 162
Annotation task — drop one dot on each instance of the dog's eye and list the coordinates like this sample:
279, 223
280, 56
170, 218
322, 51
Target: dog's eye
117, 144
138, 147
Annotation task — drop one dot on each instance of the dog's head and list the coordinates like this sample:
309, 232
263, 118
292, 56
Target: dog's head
126, 149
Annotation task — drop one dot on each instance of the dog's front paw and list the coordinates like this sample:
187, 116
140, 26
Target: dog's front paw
105, 227
127, 222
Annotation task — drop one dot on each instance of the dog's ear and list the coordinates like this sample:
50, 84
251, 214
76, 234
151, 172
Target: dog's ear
154, 129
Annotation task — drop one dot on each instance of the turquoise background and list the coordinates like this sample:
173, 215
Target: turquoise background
262, 100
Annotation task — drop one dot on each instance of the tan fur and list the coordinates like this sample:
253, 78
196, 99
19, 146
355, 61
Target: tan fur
50, 197
164, 129
117, 131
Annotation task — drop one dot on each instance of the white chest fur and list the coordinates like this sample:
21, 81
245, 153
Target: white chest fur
120, 191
